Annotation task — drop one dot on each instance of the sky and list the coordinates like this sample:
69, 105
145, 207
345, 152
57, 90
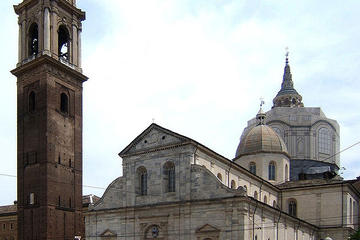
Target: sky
199, 68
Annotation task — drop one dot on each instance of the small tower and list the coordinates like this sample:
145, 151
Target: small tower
49, 120
287, 96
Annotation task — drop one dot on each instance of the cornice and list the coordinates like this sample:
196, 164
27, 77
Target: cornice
45, 59
62, 3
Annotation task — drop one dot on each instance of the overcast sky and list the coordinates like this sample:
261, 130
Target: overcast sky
197, 67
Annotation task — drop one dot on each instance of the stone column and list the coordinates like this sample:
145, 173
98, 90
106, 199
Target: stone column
75, 45
79, 48
20, 50
47, 31
54, 33
23, 41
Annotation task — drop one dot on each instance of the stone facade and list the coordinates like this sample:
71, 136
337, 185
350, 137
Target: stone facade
213, 198
330, 202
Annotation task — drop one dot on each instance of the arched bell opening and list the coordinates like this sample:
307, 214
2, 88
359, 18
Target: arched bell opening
63, 43
33, 40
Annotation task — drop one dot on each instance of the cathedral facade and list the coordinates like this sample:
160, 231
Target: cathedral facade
176, 188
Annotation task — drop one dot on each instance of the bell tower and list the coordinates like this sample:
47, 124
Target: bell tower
49, 120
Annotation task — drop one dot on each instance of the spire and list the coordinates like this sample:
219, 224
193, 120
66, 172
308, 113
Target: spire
287, 85
287, 96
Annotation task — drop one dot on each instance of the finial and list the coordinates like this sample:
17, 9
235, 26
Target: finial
287, 55
262, 102
260, 116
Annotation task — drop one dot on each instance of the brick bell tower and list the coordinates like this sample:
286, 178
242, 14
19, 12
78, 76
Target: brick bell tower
49, 120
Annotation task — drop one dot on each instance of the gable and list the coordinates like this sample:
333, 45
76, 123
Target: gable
154, 137
108, 233
207, 228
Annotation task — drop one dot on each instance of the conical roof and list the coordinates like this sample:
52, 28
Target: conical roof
287, 96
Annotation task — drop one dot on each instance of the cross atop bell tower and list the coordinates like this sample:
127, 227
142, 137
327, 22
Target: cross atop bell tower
49, 120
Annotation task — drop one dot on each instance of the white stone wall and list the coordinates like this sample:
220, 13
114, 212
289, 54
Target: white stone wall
243, 178
324, 206
262, 161
223, 219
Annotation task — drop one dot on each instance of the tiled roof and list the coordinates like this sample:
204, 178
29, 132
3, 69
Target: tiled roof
89, 199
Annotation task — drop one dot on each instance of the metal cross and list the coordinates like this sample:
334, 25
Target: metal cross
262, 102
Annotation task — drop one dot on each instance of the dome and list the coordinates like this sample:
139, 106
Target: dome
261, 139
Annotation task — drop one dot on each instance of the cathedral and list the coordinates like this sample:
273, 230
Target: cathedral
283, 183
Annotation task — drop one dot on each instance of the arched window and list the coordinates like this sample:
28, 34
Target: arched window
142, 181
152, 232
252, 167
286, 172
33, 40
274, 204
233, 184
272, 171
265, 199
64, 103
169, 176
219, 176
324, 140
32, 99
256, 195
245, 188
63, 43
292, 208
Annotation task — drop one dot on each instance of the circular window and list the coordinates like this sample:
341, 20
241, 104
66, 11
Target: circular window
155, 231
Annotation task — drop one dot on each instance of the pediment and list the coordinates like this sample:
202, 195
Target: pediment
154, 137
207, 228
108, 233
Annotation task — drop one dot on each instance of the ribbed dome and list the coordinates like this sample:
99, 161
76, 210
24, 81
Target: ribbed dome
261, 138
